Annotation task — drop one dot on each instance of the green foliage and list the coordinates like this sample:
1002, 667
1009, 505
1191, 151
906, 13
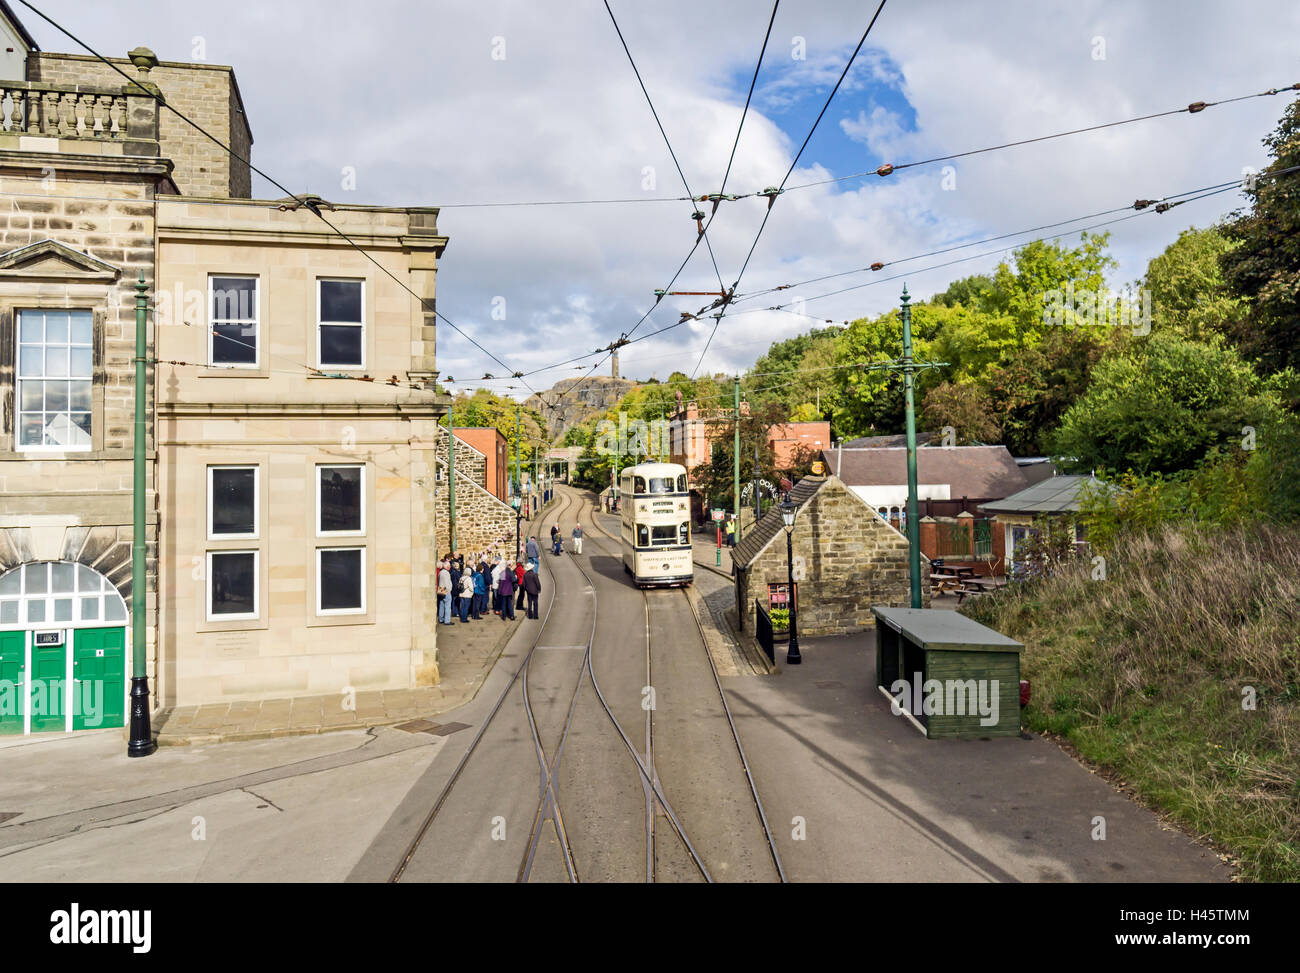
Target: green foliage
1188, 292
1264, 267
487, 409
1161, 407
966, 408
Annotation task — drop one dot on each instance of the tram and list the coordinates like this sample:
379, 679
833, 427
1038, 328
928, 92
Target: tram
656, 506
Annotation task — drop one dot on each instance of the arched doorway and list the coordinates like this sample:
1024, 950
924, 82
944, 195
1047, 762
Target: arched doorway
62, 649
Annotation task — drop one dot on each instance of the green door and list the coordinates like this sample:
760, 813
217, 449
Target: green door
13, 684
49, 682
99, 677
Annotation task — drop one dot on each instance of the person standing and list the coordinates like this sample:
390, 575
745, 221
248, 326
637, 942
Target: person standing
507, 588
533, 586
496, 586
480, 591
577, 538
454, 569
444, 593
555, 539
530, 549
519, 583
731, 532
466, 595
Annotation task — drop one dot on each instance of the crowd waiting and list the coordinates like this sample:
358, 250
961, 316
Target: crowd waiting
469, 584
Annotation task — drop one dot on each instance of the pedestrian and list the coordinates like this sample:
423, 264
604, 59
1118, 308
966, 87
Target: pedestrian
731, 532
454, 569
480, 591
556, 542
466, 595
577, 538
506, 586
495, 586
444, 593
533, 586
519, 583
530, 549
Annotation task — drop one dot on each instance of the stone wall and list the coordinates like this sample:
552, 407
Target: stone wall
207, 93
482, 521
852, 560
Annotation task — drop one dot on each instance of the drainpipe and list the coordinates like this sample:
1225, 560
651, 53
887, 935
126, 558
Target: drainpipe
141, 742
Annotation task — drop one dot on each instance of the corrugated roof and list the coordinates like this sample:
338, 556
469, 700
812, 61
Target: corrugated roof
752, 544
879, 442
1057, 494
978, 472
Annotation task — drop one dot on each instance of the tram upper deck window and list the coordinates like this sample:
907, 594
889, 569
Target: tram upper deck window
640, 485
662, 484
681, 483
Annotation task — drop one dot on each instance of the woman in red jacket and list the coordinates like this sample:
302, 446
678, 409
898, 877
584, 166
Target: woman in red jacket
519, 583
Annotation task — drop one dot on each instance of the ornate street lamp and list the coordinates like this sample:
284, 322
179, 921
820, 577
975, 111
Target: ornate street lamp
516, 501
788, 511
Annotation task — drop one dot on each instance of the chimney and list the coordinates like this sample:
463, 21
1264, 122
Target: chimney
613, 363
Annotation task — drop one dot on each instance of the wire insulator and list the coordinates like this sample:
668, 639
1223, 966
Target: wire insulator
1163, 207
1196, 106
1143, 203
877, 266
886, 169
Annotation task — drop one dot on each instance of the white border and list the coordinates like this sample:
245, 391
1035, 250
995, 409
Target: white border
257, 588
257, 502
358, 324
320, 588
341, 533
256, 321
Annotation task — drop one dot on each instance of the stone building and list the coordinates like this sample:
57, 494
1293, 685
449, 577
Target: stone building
846, 559
291, 518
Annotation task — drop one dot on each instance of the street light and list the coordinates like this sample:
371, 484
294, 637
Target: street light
788, 510
516, 501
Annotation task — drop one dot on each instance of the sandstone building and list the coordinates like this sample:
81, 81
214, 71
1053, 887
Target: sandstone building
292, 424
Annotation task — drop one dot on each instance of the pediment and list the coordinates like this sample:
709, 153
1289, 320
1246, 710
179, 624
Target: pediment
51, 260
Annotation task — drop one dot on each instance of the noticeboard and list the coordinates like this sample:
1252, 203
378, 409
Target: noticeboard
718, 515
778, 595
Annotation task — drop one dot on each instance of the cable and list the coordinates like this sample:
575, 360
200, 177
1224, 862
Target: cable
785, 179
308, 203
1192, 109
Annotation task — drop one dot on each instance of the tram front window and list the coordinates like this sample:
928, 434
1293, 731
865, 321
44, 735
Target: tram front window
662, 484
663, 535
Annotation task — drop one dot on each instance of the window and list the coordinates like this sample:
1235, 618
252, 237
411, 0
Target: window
54, 379
232, 585
340, 317
340, 493
232, 501
232, 340
663, 535
639, 485
341, 574
661, 484
642, 535
681, 483
58, 591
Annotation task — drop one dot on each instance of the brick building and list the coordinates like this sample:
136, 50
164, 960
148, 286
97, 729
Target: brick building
846, 559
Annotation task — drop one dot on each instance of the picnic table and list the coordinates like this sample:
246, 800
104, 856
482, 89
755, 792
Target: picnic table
944, 581
978, 586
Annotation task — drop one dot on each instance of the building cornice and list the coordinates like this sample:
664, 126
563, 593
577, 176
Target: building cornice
428, 409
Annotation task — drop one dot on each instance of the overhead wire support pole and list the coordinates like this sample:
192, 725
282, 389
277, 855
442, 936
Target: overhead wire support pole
141, 742
451, 475
736, 454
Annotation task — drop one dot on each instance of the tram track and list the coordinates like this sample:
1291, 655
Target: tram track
726, 709
548, 803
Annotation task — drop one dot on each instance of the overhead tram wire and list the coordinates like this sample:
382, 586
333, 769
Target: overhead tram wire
772, 199
1192, 109
305, 202
649, 101
627, 336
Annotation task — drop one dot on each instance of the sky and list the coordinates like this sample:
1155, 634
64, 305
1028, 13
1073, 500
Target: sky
446, 104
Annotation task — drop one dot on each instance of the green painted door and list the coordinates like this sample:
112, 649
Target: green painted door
13, 682
99, 674
49, 682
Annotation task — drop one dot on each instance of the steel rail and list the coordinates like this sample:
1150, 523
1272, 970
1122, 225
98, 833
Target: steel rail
473, 746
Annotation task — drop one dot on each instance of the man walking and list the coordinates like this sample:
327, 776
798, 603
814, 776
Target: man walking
577, 538
533, 586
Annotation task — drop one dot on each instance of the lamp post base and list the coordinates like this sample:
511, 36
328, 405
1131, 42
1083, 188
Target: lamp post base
142, 743
792, 656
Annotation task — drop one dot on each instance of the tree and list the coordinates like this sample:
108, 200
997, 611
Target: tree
966, 408
1264, 268
1187, 289
484, 408
1162, 406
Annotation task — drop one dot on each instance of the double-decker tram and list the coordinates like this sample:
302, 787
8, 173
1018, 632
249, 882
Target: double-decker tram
656, 506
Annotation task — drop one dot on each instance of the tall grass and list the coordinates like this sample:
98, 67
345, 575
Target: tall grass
1151, 673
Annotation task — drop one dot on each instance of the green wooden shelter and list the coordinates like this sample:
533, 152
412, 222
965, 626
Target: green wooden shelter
947, 673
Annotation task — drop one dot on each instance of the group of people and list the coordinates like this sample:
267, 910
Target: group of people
467, 587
